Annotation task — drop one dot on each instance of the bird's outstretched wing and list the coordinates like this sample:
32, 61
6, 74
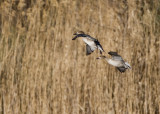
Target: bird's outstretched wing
99, 46
79, 35
84, 35
115, 55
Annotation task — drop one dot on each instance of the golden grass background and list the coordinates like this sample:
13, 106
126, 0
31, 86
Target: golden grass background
43, 71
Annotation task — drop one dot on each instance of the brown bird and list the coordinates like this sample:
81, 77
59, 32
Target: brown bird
116, 61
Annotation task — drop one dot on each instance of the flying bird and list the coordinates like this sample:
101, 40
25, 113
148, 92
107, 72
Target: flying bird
116, 61
91, 43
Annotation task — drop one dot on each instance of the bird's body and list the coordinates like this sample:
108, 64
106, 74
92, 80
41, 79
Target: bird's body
91, 43
116, 61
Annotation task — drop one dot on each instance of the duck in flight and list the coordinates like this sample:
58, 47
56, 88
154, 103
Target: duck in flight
116, 61
91, 43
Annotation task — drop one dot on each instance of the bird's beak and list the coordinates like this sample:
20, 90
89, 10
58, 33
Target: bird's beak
75, 34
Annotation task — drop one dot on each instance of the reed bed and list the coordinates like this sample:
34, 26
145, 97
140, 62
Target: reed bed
43, 71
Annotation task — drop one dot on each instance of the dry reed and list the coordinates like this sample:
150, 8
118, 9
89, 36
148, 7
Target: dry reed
43, 71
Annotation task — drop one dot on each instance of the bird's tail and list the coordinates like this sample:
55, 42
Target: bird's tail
127, 65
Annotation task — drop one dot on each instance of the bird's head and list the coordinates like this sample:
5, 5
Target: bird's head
101, 57
79, 32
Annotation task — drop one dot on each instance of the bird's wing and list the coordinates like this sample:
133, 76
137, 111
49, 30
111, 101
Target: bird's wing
121, 69
89, 50
99, 46
84, 35
115, 55
91, 38
79, 35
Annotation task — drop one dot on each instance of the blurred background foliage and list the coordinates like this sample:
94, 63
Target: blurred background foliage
43, 71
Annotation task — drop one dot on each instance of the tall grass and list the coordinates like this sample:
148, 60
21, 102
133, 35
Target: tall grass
43, 71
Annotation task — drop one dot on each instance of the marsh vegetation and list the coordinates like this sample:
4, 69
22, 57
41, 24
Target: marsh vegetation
43, 71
